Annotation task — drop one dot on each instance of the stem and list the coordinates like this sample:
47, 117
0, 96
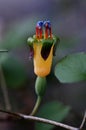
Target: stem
38, 119
4, 90
36, 106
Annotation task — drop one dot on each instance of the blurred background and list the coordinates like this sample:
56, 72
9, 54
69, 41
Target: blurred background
17, 22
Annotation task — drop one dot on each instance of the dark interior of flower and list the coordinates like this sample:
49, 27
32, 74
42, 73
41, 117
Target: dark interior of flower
45, 50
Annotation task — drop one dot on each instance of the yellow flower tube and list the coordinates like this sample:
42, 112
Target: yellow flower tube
42, 67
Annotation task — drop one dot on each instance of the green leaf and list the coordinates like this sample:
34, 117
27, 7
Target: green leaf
14, 71
71, 68
54, 111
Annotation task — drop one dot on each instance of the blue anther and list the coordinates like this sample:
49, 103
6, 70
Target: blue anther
39, 24
47, 24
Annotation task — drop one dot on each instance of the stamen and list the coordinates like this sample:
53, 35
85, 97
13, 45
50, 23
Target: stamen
50, 32
47, 32
40, 34
39, 31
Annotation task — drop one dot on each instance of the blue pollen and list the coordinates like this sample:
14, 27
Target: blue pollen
39, 24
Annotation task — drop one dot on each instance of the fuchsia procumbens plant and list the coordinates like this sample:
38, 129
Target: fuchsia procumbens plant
42, 49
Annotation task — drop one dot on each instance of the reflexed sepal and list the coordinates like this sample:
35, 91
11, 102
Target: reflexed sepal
56, 40
31, 40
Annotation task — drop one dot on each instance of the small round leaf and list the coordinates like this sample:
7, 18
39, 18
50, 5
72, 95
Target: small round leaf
71, 68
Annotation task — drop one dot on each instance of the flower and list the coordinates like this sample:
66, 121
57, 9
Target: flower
42, 46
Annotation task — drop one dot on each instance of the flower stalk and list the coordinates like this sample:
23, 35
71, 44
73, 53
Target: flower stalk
40, 88
35, 109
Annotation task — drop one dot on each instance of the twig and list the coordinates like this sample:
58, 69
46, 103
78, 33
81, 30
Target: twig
83, 121
3, 50
43, 120
38, 119
4, 90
